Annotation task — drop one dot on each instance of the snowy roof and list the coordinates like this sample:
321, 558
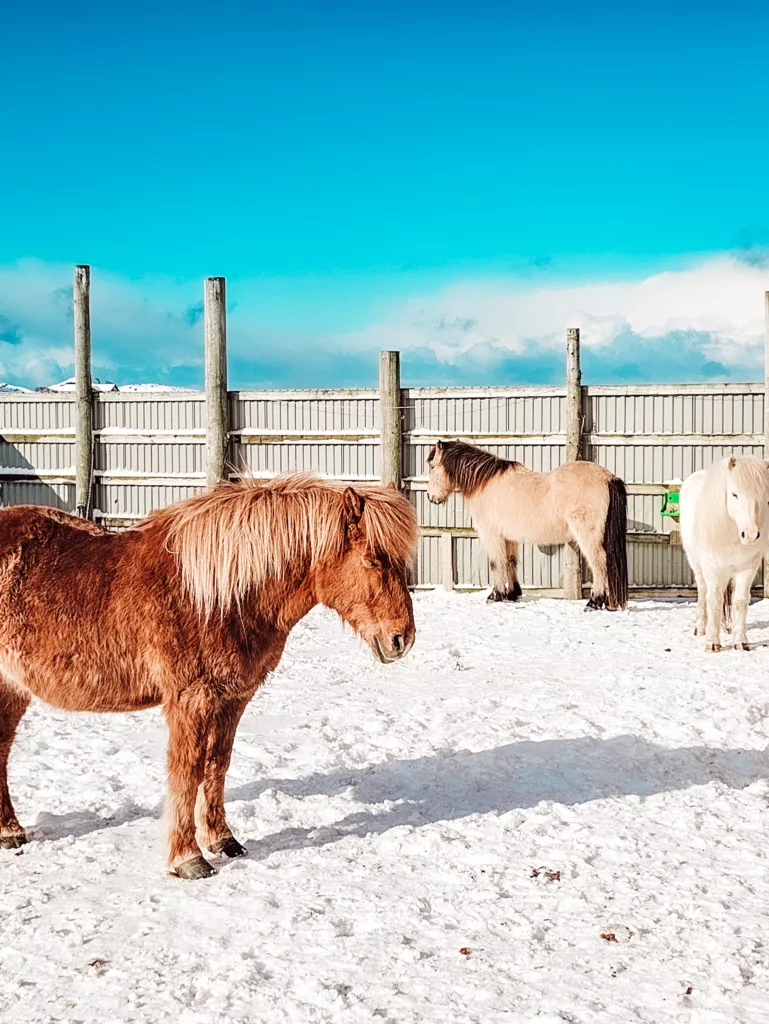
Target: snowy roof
15, 389
153, 387
69, 385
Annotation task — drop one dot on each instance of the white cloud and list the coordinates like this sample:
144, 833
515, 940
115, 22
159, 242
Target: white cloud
703, 322
720, 300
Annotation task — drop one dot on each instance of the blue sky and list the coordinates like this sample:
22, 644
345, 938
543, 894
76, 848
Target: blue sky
405, 174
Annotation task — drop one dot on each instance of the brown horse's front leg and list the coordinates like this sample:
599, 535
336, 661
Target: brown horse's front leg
214, 830
13, 704
188, 724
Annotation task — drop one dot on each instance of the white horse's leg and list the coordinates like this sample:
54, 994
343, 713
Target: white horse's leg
496, 548
715, 582
742, 584
702, 604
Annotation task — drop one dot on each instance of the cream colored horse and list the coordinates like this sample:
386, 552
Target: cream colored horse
580, 504
724, 513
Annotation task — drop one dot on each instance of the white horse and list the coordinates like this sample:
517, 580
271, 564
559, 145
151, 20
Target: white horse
724, 513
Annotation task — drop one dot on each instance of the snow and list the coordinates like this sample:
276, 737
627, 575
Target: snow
14, 389
68, 385
445, 839
156, 387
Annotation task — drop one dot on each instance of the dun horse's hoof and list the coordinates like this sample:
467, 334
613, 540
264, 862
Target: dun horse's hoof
595, 604
195, 867
712, 648
510, 596
13, 841
229, 846
699, 631
742, 647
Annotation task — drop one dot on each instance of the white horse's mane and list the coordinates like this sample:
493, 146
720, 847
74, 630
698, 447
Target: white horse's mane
712, 526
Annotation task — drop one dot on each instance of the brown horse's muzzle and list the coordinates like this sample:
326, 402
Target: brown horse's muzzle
388, 648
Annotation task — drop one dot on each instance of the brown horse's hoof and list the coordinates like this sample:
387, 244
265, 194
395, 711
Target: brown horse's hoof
742, 647
229, 846
712, 648
13, 841
195, 867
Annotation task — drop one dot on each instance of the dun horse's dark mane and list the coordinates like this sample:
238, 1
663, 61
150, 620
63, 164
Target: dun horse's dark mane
470, 468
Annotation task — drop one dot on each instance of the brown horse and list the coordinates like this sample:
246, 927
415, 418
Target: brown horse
191, 610
580, 504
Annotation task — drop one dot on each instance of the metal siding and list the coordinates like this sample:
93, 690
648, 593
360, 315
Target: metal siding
640, 433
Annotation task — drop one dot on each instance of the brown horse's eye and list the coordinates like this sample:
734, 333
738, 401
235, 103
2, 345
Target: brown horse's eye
372, 563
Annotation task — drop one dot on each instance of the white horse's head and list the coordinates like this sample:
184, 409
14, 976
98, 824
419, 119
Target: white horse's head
747, 497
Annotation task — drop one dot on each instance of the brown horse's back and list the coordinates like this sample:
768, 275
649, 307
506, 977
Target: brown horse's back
62, 590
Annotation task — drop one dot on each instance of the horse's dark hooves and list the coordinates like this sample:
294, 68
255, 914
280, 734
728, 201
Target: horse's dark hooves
12, 842
742, 647
195, 867
229, 846
508, 596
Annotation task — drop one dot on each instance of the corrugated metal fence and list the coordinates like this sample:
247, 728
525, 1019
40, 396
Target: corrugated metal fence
150, 451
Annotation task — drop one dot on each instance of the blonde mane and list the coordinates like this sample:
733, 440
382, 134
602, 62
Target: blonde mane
712, 526
227, 542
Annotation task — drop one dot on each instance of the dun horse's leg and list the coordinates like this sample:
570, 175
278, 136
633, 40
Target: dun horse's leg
702, 602
496, 548
514, 587
590, 542
742, 584
13, 704
188, 722
215, 832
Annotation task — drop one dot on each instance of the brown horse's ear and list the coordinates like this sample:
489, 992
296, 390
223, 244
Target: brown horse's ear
391, 486
732, 462
353, 506
439, 446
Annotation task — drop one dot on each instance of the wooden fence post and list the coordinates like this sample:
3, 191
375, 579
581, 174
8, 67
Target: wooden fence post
83, 393
766, 413
572, 565
390, 454
217, 418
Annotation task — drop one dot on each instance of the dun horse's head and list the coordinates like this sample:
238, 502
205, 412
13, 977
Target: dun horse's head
367, 584
747, 498
439, 485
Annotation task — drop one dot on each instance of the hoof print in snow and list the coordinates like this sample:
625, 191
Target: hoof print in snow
545, 874
616, 933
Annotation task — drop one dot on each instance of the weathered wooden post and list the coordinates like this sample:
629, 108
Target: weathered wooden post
83, 392
391, 470
766, 413
572, 565
217, 419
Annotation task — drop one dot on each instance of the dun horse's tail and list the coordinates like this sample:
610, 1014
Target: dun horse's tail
614, 543
727, 610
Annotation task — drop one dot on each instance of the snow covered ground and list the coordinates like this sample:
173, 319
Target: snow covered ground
539, 815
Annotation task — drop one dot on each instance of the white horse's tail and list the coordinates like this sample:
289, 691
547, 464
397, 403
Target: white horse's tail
615, 544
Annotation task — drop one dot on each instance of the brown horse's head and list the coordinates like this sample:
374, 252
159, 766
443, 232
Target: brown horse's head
366, 584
